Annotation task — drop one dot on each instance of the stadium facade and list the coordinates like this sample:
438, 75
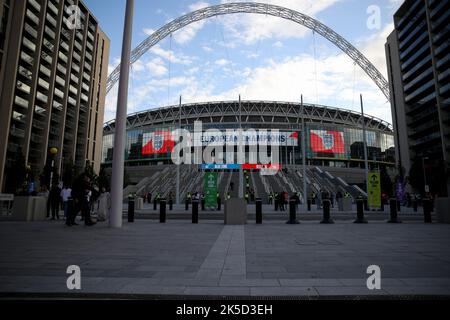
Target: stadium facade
334, 137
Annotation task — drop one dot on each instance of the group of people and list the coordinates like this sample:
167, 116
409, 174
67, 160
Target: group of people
81, 198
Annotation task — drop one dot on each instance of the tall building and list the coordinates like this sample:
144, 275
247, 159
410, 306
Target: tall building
53, 71
418, 57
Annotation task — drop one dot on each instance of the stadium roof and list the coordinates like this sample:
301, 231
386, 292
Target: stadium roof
272, 114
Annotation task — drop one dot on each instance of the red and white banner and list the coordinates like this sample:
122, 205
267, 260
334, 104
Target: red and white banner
327, 141
158, 142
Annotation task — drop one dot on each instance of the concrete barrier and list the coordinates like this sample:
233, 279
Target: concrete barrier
235, 212
442, 210
29, 209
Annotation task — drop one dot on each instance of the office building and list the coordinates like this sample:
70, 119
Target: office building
418, 57
53, 71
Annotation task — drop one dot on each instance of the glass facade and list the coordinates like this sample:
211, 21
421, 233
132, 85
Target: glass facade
328, 145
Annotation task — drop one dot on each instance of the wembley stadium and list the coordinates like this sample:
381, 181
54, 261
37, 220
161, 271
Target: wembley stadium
334, 153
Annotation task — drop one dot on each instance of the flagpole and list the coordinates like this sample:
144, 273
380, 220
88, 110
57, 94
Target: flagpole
177, 191
241, 172
366, 161
305, 191
115, 220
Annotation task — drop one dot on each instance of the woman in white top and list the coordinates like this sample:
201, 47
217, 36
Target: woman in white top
104, 205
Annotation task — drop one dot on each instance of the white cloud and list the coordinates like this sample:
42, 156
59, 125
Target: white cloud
170, 55
207, 49
148, 31
186, 34
156, 67
255, 27
252, 56
222, 62
278, 44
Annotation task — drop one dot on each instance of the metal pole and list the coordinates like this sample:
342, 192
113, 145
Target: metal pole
366, 162
177, 191
424, 175
305, 191
241, 172
115, 220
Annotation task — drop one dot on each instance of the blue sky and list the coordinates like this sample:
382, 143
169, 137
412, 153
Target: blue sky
259, 57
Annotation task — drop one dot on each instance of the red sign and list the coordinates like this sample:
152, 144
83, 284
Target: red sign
327, 141
261, 166
158, 142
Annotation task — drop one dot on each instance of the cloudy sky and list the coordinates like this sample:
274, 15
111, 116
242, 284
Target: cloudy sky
259, 57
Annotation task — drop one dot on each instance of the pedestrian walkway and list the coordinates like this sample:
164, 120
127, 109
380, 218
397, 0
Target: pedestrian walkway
209, 259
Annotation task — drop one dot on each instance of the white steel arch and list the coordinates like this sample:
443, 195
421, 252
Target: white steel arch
257, 8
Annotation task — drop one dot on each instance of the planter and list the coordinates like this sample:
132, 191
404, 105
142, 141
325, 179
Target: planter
29, 209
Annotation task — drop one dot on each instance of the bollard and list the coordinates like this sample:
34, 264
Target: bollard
170, 205
258, 211
360, 211
292, 212
186, 205
366, 205
276, 204
398, 206
131, 210
427, 207
162, 210
203, 204
219, 203
415, 205
326, 212
393, 207
154, 204
309, 204
195, 211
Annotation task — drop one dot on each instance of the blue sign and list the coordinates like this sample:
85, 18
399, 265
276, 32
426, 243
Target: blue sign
221, 166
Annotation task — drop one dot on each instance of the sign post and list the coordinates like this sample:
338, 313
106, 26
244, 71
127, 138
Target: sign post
210, 189
374, 192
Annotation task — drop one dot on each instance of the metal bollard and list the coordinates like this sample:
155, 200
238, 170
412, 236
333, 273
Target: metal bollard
415, 205
170, 205
194, 211
292, 212
258, 211
427, 207
275, 202
309, 204
326, 212
162, 210
219, 203
360, 211
131, 210
154, 204
393, 207
203, 204
398, 206
186, 205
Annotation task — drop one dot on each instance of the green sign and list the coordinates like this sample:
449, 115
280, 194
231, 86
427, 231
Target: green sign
374, 193
210, 189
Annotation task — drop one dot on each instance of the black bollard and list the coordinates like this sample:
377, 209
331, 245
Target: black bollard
415, 205
398, 206
393, 207
170, 205
326, 212
276, 204
154, 204
194, 211
427, 207
162, 210
258, 211
292, 212
203, 204
186, 205
360, 211
219, 203
131, 210
309, 204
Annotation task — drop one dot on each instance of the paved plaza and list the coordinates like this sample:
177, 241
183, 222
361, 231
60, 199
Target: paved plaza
209, 259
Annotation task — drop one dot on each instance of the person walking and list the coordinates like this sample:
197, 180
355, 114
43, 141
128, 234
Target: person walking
104, 205
66, 194
54, 199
